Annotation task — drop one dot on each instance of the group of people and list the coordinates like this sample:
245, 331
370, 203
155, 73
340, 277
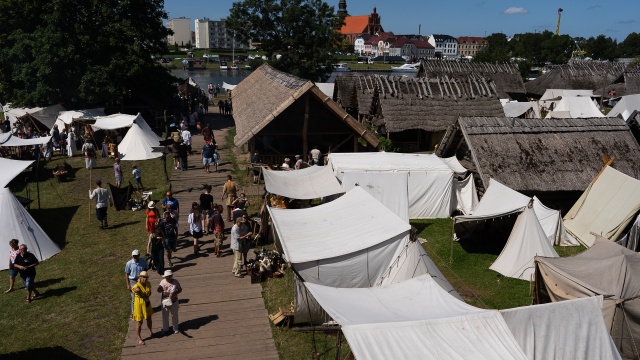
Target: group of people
313, 158
137, 280
22, 262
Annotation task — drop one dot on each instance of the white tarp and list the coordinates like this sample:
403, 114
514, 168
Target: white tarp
115, 121
526, 241
228, 86
514, 109
67, 117
498, 200
11, 169
8, 139
578, 107
416, 319
17, 223
326, 88
557, 94
605, 208
626, 106
139, 142
466, 195
571, 330
455, 166
309, 183
346, 225
430, 178
46, 115
551, 222
353, 241
391, 189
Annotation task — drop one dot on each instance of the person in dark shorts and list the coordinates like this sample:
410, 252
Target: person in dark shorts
26, 264
169, 228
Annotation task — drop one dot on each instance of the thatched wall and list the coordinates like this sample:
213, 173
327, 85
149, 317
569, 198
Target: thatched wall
588, 75
548, 155
506, 77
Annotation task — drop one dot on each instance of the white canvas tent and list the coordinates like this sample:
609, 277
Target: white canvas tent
7, 139
605, 208
67, 117
466, 195
309, 183
526, 241
390, 189
551, 97
575, 107
515, 109
353, 241
11, 169
551, 222
139, 142
626, 106
415, 319
429, 178
17, 223
45, 115
114, 121
228, 87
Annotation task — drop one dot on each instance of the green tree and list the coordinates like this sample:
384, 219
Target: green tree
630, 47
600, 48
82, 52
557, 49
529, 46
498, 49
303, 32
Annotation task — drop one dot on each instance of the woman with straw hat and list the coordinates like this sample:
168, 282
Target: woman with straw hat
152, 216
142, 309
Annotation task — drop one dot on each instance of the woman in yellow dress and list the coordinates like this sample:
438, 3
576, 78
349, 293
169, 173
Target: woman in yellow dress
142, 304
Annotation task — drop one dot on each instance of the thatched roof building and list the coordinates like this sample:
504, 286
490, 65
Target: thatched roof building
281, 114
587, 75
538, 156
506, 77
398, 106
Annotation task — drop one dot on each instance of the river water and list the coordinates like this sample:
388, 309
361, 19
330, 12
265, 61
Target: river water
233, 77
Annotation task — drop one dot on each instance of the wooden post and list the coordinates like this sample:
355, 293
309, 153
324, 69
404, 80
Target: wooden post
305, 128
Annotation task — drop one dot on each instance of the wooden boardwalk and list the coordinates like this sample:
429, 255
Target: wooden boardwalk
221, 316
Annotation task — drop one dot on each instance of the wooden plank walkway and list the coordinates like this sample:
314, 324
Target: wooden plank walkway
221, 316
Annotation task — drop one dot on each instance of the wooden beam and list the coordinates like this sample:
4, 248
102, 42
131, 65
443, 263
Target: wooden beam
344, 141
269, 146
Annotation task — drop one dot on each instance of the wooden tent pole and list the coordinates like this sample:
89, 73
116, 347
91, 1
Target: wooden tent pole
90, 168
607, 162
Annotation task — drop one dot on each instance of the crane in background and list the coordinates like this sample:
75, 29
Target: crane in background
559, 16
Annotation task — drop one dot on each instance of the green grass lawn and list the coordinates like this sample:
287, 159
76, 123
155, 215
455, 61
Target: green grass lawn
85, 305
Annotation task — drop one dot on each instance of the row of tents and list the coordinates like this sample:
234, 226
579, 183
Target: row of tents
357, 263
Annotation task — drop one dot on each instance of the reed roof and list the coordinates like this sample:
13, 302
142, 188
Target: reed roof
591, 75
545, 155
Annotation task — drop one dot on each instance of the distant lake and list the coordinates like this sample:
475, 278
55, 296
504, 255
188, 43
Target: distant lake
233, 77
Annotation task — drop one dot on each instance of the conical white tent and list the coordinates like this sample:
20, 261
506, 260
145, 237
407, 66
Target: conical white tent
626, 106
139, 142
527, 240
11, 169
17, 223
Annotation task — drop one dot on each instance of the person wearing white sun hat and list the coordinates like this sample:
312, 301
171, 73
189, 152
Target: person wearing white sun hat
170, 288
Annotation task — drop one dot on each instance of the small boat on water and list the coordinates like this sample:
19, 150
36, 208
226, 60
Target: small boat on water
342, 67
406, 68
223, 65
234, 66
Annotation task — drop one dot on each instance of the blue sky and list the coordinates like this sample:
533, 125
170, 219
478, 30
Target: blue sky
469, 17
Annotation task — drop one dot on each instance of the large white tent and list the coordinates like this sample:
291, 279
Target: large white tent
391, 189
11, 169
309, 183
8, 139
605, 208
415, 319
67, 117
516, 109
626, 106
551, 97
45, 115
353, 241
114, 121
575, 107
139, 142
17, 223
429, 178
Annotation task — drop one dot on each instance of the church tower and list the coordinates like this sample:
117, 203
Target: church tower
342, 8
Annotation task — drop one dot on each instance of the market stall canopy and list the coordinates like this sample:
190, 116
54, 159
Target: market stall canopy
139, 142
11, 169
8, 139
115, 121
67, 117
343, 226
606, 269
605, 208
309, 183
17, 223
416, 319
228, 87
43, 115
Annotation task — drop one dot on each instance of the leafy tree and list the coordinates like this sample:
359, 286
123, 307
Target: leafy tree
82, 52
529, 46
600, 48
303, 32
630, 47
497, 50
557, 49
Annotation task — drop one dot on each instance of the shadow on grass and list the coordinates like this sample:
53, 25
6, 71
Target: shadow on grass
55, 222
56, 352
490, 237
116, 226
49, 282
421, 226
58, 291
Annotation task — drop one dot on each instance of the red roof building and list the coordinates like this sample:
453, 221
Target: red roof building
355, 26
470, 45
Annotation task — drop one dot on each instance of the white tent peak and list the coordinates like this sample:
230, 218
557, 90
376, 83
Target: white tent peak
139, 142
11, 169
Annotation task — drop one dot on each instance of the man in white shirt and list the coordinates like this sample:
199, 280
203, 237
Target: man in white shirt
186, 139
102, 198
285, 165
316, 154
238, 236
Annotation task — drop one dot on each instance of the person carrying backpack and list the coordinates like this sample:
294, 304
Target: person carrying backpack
89, 153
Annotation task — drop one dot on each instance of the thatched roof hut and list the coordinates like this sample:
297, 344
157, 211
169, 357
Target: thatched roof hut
537, 156
283, 114
506, 77
589, 75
